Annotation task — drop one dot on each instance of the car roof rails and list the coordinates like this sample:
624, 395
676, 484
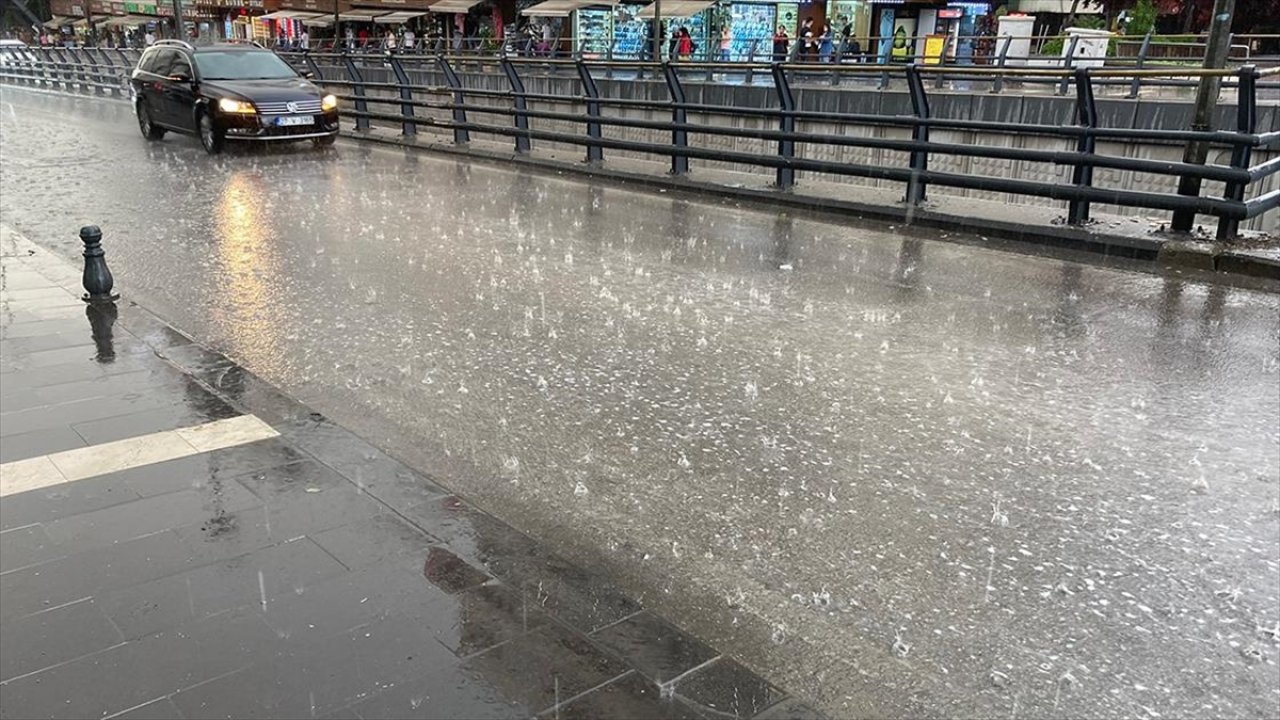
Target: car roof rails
242, 41
180, 43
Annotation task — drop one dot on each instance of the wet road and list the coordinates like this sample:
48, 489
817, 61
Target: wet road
901, 477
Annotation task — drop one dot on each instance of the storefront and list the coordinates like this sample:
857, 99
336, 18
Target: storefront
929, 31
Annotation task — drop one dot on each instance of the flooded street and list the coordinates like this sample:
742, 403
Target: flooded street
902, 476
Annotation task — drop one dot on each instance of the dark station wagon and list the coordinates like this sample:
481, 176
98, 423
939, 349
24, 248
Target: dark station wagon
228, 91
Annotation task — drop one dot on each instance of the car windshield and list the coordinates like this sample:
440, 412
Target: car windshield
242, 65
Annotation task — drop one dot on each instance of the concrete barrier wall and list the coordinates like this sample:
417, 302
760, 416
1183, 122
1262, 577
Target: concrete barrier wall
1015, 109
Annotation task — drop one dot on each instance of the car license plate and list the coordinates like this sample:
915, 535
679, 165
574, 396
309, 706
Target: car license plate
295, 120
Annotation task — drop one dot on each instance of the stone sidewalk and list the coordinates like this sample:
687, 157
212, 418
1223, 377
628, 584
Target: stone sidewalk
168, 550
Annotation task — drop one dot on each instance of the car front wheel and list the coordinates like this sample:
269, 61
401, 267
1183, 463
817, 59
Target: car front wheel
149, 129
210, 136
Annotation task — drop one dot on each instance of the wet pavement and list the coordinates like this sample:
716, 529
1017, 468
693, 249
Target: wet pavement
896, 476
165, 552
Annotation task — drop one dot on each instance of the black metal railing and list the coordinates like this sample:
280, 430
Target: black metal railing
792, 135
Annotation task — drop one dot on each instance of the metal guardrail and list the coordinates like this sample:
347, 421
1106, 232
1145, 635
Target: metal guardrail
508, 114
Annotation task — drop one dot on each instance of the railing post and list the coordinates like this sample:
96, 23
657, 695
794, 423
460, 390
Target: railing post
1087, 119
313, 66
1241, 154
595, 153
521, 104
751, 61
95, 71
1068, 62
835, 60
919, 133
461, 135
1136, 85
407, 126
679, 116
997, 85
608, 57
357, 88
786, 176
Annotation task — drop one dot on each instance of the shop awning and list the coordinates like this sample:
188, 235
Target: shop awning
127, 20
97, 20
399, 16
289, 15
558, 8
676, 8
58, 21
322, 21
454, 6
361, 15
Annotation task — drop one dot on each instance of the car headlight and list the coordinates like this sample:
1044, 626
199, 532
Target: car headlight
328, 102
237, 107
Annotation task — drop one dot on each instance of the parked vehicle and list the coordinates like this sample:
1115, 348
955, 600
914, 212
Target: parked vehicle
228, 91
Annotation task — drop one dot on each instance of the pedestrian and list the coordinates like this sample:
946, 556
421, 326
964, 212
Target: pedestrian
687, 46
149, 38
824, 44
389, 40
726, 43
304, 39
410, 40
781, 41
808, 48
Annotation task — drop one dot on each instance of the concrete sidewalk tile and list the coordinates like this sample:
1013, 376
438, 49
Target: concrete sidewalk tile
195, 359
43, 327
221, 434
343, 602
100, 569
36, 642
78, 411
545, 667
192, 411
31, 474
53, 341
199, 470
316, 677
148, 515
450, 572
578, 598
107, 388
85, 352
241, 582
629, 697
375, 539
659, 650
286, 518
161, 709
24, 547
69, 372
63, 500
138, 672
726, 687
449, 693
41, 442
487, 616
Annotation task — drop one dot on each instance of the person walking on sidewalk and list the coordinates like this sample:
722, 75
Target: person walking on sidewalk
726, 43
685, 48
825, 45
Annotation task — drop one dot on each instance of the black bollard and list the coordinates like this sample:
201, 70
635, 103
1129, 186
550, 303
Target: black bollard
97, 278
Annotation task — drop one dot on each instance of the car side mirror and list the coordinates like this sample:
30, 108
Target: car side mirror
180, 78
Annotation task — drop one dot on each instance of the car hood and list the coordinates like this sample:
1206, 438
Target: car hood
283, 90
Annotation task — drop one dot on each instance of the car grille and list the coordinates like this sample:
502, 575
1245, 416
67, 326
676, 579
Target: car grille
309, 107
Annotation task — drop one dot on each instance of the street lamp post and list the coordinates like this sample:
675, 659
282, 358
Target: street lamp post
179, 27
337, 30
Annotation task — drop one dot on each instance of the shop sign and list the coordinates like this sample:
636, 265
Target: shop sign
140, 8
164, 11
950, 13
77, 10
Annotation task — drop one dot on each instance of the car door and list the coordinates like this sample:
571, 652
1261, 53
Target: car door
155, 66
179, 92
